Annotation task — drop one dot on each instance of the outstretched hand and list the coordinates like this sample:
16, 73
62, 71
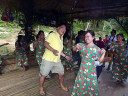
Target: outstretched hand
68, 58
78, 46
55, 52
103, 51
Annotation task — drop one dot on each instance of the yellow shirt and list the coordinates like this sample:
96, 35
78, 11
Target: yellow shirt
56, 43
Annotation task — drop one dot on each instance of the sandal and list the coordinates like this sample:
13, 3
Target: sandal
42, 93
65, 89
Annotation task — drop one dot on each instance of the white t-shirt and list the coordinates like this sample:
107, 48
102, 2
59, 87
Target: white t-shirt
111, 39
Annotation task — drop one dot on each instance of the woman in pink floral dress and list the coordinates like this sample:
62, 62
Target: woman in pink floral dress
86, 80
39, 47
68, 51
120, 66
21, 56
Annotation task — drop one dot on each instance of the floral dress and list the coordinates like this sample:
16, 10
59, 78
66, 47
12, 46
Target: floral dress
39, 51
68, 52
21, 57
86, 80
0, 59
82, 40
120, 66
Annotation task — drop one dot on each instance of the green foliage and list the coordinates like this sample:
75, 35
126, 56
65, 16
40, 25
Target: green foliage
1, 21
1, 30
107, 28
46, 30
101, 27
3, 35
10, 30
118, 28
8, 27
10, 24
2, 25
78, 25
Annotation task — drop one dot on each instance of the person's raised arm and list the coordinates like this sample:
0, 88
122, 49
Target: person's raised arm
55, 52
64, 55
102, 56
76, 47
34, 45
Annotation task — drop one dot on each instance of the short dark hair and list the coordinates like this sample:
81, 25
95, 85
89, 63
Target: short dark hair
120, 34
41, 31
80, 32
91, 32
100, 38
60, 24
114, 31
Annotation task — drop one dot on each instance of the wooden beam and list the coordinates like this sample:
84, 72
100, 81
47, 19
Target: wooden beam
99, 8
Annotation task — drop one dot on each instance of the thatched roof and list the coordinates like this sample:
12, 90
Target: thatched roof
85, 9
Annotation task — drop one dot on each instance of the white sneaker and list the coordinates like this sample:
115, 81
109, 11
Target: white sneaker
97, 63
75, 62
75, 66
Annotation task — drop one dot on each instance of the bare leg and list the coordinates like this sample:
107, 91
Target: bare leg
42, 79
61, 78
110, 55
106, 55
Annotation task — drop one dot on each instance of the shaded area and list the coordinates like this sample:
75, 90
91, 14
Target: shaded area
70, 8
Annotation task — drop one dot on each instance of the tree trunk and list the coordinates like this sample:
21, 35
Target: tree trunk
103, 26
87, 26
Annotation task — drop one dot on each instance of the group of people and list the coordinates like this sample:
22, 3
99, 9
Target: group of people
85, 50
116, 48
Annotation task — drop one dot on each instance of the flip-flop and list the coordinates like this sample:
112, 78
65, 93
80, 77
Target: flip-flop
42, 93
65, 89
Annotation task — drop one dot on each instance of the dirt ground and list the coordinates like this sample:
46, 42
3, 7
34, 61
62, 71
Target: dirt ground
4, 50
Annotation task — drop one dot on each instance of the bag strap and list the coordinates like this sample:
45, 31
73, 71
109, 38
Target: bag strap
113, 38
